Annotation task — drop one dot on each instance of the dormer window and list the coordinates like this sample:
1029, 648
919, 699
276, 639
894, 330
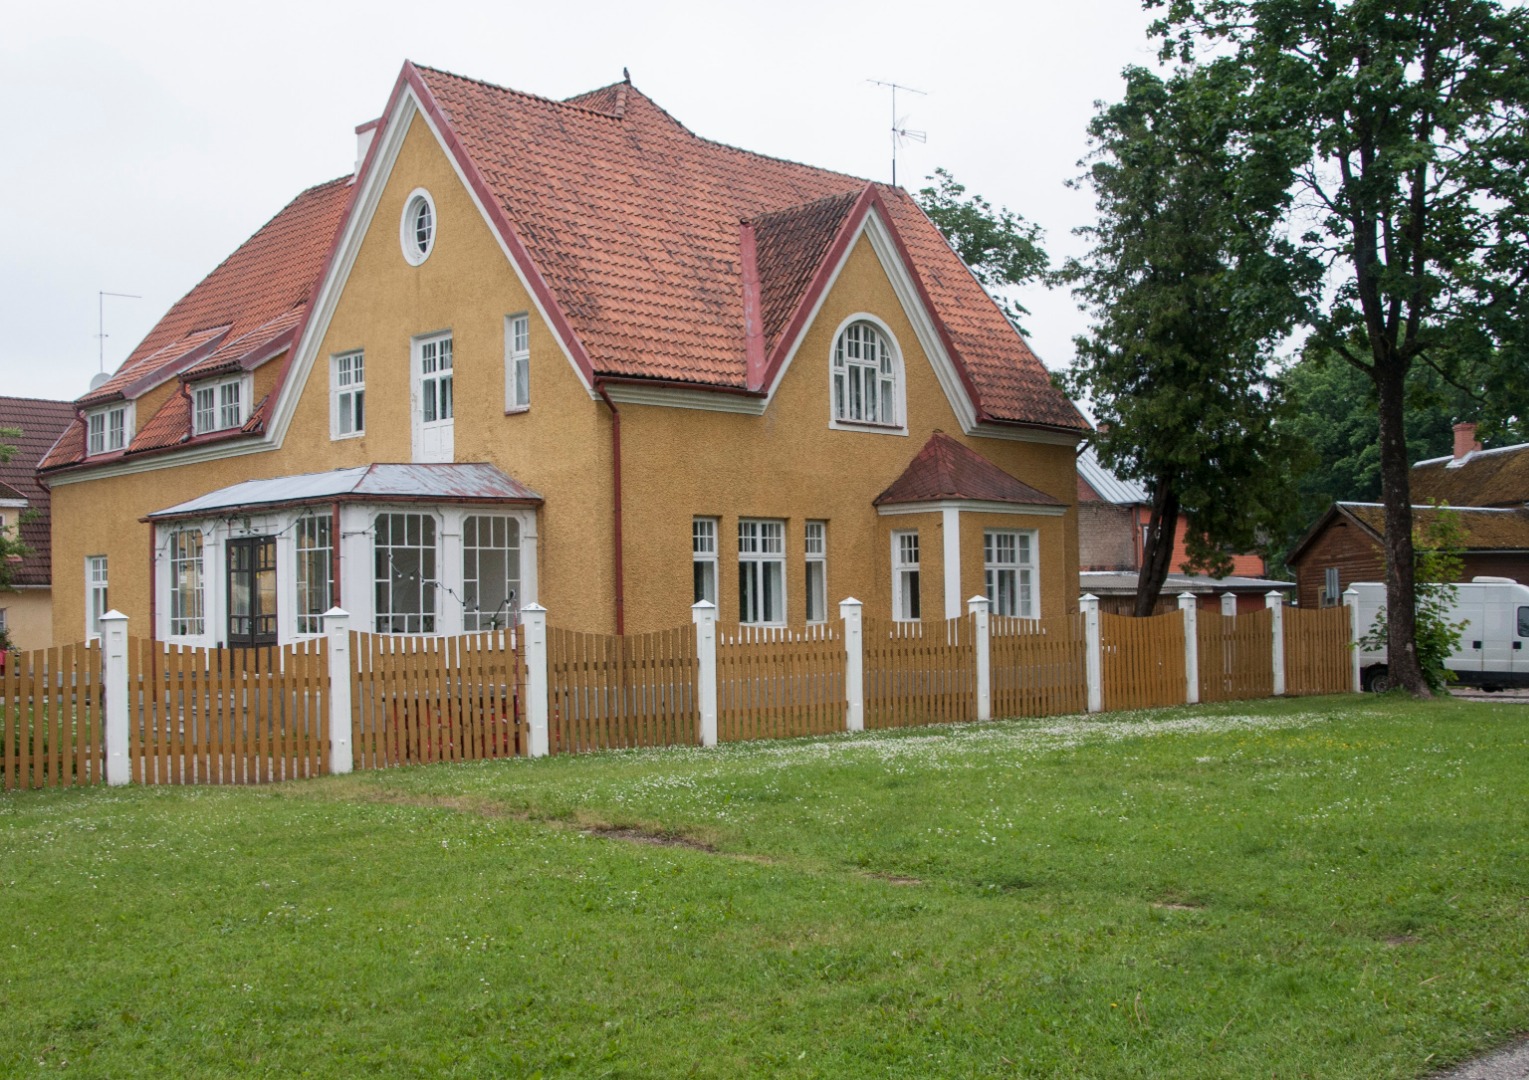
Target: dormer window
416, 232
866, 377
107, 430
218, 406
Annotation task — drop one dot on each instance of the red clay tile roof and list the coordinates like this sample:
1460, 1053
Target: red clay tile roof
946, 469
8, 492
232, 316
790, 244
1498, 477
633, 222
41, 422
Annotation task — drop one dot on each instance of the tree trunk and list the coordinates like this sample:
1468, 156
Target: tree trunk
1157, 550
1396, 494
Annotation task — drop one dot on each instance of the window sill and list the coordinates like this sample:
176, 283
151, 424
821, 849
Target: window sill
868, 428
335, 437
516, 410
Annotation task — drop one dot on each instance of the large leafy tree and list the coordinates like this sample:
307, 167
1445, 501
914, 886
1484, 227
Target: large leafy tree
1189, 291
1405, 126
1002, 249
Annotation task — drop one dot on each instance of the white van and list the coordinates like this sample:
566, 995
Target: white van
1492, 653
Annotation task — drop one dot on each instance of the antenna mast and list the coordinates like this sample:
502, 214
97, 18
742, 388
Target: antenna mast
101, 321
900, 131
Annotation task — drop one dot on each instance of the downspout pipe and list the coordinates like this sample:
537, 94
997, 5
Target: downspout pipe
599, 385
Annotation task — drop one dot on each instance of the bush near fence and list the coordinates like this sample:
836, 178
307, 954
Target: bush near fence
255, 715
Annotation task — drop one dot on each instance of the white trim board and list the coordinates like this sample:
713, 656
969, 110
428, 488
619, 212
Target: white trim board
972, 506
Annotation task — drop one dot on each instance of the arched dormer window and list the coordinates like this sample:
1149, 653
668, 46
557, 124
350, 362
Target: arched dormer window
867, 383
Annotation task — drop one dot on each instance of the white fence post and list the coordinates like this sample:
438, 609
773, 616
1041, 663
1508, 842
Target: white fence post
1191, 609
1093, 652
977, 606
337, 632
1275, 601
119, 764
850, 611
1351, 601
1229, 605
704, 615
534, 618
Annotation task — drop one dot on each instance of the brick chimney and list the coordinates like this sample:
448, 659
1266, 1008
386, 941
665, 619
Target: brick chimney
1465, 439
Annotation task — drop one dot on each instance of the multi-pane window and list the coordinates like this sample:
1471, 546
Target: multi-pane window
218, 406
186, 593
315, 571
350, 394
864, 377
107, 431
517, 362
95, 595
490, 571
905, 576
418, 228
1008, 563
703, 554
404, 549
435, 379
762, 572
817, 571
252, 590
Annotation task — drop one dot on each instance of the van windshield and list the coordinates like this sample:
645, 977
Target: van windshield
1523, 621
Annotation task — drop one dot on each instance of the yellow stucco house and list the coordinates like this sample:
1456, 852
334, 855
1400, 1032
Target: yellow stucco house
569, 352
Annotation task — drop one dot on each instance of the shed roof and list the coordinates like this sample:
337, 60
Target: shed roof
443, 483
948, 470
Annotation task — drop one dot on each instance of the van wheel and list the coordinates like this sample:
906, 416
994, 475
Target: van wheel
1376, 680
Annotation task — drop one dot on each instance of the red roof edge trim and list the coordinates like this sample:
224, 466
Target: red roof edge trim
154, 378
819, 283
934, 315
501, 222
753, 320
677, 384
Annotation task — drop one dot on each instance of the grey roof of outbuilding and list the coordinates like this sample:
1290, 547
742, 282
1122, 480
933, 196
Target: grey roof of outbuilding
1107, 582
448, 483
1107, 485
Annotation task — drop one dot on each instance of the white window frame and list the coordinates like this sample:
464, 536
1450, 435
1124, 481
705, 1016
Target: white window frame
897, 424
815, 547
218, 389
907, 583
1009, 558
96, 594
415, 252
703, 559
347, 387
187, 607
313, 546
517, 363
762, 571
430, 384
112, 438
428, 618
474, 618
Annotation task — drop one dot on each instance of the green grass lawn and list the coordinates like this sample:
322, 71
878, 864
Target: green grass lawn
1322, 887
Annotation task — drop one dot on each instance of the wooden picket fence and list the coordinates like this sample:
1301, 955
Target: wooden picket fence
1038, 666
1317, 651
1143, 661
775, 683
607, 692
919, 672
1236, 654
418, 699
50, 718
227, 716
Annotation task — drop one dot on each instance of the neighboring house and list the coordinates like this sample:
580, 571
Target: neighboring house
1113, 518
1488, 491
27, 612
569, 352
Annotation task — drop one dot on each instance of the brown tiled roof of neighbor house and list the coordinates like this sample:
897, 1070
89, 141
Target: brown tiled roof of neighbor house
238, 314
634, 223
41, 422
1498, 477
1482, 528
946, 469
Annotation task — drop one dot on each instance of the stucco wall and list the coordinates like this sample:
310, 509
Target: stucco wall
29, 618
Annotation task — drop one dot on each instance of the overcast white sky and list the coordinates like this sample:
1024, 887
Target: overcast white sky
145, 141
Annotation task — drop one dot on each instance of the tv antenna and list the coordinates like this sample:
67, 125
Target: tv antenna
902, 134
101, 321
